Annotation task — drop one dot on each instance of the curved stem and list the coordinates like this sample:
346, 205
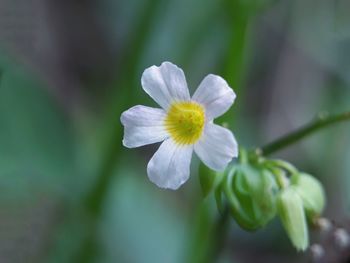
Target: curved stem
322, 121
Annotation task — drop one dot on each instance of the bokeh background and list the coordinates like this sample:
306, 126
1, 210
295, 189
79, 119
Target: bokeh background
69, 191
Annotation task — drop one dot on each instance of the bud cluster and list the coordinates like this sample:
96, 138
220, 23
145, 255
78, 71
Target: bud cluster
257, 189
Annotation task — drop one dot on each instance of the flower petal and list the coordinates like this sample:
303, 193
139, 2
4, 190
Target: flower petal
165, 84
215, 95
217, 147
143, 125
170, 165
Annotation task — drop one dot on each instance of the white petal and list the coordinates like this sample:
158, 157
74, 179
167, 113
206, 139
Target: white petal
215, 95
143, 125
170, 165
216, 147
165, 84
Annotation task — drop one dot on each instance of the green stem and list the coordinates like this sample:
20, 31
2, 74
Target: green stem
209, 234
94, 200
236, 59
220, 229
236, 54
233, 73
322, 121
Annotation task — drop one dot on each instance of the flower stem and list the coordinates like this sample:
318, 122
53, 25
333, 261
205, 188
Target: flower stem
236, 54
323, 120
94, 200
234, 75
221, 229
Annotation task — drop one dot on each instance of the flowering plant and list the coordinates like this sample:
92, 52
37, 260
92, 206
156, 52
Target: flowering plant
254, 188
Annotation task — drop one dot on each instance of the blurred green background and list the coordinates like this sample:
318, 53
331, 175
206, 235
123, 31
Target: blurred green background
69, 191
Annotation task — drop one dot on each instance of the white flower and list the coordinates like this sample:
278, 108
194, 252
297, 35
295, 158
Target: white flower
185, 124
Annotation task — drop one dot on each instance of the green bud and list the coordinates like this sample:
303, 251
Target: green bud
311, 192
291, 212
236, 206
252, 196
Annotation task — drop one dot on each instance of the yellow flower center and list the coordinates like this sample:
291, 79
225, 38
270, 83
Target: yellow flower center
185, 122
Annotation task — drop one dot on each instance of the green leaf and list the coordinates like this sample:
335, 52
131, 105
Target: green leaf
37, 149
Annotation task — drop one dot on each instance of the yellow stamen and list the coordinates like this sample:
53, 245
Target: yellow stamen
185, 122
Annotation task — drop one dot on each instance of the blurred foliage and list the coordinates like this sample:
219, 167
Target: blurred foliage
37, 141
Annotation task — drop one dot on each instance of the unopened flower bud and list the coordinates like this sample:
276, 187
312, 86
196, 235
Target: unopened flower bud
252, 195
291, 212
311, 192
